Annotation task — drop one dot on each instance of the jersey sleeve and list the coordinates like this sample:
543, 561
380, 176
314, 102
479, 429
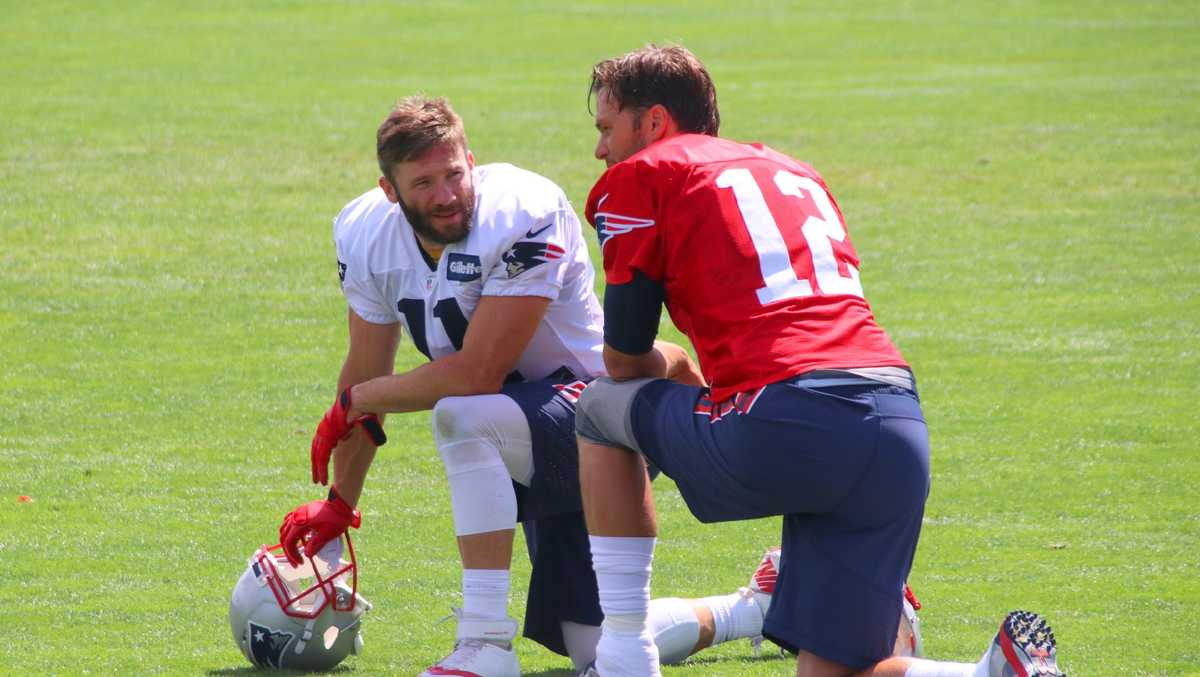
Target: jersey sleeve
362, 294
623, 209
535, 261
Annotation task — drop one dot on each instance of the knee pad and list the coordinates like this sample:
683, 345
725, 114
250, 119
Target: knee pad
673, 624
481, 492
483, 430
602, 414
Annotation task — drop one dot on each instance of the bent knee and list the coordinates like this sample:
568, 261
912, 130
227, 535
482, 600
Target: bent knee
492, 417
483, 430
448, 417
604, 412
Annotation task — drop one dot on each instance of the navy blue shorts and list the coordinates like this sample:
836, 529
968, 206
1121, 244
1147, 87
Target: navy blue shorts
845, 461
562, 585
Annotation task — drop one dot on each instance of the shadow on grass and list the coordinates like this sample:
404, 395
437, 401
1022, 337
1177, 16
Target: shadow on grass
245, 671
764, 657
694, 661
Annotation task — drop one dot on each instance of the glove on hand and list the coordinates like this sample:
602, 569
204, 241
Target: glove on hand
334, 428
315, 524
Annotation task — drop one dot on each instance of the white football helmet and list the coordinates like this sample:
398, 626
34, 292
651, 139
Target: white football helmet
301, 618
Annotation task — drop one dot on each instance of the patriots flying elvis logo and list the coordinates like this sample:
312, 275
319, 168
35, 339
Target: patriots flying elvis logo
525, 255
267, 645
609, 224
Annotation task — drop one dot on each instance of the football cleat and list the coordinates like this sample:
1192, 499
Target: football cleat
483, 648
1024, 647
761, 587
908, 638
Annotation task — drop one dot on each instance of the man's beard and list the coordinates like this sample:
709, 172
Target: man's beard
422, 224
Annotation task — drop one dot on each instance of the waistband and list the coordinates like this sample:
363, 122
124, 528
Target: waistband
826, 378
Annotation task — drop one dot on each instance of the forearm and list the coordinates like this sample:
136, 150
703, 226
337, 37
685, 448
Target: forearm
678, 364
352, 458
663, 360
421, 388
623, 366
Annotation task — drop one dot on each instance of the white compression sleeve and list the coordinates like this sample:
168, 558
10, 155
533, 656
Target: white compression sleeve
484, 441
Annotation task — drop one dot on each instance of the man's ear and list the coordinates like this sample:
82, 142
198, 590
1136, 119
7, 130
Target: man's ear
388, 189
470, 160
661, 124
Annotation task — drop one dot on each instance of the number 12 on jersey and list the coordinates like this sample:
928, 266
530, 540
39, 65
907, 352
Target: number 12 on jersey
774, 261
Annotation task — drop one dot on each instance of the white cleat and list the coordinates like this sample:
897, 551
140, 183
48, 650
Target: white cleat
761, 587
908, 639
483, 648
1024, 647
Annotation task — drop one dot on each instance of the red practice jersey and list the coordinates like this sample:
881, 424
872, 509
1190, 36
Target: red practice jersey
752, 255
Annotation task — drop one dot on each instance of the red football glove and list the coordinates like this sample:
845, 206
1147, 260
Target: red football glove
315, 524
333, 429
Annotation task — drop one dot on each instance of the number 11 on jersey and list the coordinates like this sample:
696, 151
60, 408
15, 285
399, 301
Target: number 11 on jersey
774, 261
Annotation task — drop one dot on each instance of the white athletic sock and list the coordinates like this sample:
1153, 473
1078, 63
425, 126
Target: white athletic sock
622, 566
924, 668
734, 617
626, 654
485, 593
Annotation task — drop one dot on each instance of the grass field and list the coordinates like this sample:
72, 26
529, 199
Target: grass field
1021, 179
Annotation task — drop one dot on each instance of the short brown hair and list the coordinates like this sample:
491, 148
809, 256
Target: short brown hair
416, 124
671, 76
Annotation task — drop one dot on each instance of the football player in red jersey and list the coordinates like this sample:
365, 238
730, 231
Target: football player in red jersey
810, 411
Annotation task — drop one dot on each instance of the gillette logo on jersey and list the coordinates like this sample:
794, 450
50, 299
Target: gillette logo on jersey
525, 255
463, 267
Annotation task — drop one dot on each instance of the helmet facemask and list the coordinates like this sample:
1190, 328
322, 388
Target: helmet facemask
319, 582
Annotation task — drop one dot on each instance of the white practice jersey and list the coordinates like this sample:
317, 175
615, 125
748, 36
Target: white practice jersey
525, 240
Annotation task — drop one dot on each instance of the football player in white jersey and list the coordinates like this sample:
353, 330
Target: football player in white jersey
487, 270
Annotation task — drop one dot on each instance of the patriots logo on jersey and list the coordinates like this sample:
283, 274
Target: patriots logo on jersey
609, 224
525, 255
341, 271
267, 645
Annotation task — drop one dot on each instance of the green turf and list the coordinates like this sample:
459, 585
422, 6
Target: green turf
1020, 179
